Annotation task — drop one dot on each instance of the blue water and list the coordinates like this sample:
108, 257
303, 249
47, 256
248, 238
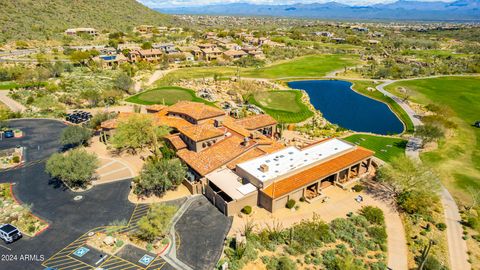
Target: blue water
342, 106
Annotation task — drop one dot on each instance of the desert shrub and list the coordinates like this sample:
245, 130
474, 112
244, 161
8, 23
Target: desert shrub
360, 221
432, 263
373, 214
119, 243
247, 210
378, 266
357, 188
378, 234
156, 222
290, 204
312, 233
16, 159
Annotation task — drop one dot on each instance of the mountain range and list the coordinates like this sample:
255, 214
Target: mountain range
460, 10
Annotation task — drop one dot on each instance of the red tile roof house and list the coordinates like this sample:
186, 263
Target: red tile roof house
152, 55
235, 163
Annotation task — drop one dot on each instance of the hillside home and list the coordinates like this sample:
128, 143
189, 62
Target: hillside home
80, 31
152, 55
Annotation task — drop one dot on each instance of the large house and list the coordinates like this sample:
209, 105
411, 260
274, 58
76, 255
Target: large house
151, 55
237, 162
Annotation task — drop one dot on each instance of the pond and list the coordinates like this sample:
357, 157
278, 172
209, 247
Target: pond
341, 105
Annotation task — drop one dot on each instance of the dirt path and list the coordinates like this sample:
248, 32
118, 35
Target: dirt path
10, 103
457, 246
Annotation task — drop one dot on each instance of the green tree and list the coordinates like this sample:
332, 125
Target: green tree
76, 168
123, 82
146, 45
157, 177
156, 222
430, 133
75, 136
404, 174
79, 57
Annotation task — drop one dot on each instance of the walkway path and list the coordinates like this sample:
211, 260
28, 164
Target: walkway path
12, 104
457, 246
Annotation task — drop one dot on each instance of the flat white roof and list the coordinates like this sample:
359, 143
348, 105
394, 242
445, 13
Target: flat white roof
291, 158
226, 180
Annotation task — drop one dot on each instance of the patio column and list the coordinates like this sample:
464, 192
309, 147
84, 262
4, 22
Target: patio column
369, 163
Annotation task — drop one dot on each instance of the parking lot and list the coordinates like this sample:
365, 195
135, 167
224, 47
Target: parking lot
50, 200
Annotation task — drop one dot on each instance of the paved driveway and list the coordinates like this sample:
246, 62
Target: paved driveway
50, 200
201, 230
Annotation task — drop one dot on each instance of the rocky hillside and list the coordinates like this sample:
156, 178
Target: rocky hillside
40, 19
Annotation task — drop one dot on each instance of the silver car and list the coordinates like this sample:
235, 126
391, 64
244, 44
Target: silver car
9, 233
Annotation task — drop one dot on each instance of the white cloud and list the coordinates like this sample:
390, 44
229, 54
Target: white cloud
184, 3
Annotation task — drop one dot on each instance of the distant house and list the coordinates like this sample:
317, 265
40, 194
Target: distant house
128, 46
145, 29
110, 60
234, 54
323, 34
152, 55
167, 48
339, 40
81, 30
211, 54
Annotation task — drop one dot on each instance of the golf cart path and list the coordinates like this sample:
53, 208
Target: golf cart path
12, 104
457, 246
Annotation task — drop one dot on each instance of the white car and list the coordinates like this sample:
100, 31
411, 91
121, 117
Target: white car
9, 233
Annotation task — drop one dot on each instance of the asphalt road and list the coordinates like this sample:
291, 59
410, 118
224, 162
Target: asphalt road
52, 201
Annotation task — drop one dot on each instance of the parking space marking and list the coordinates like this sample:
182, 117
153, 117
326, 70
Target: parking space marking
115, 262
7, 248
64, 257
157, 264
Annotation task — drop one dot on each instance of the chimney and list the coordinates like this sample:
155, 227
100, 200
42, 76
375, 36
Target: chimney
263, 168
217, 123
245, 141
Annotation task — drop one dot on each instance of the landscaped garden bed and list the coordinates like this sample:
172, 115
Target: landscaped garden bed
10, 158
151, 234
17, 214
356, 242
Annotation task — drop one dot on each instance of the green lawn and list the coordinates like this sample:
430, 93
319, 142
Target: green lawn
7, 85
285, 106
307, 66
165, 95
386, 148
458, 158
362, 87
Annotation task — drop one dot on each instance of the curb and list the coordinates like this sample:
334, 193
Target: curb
30, 213
165, 248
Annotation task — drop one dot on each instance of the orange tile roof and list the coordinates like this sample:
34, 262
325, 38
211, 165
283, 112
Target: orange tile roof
201, 132
109, 124
215, 156
251, 154
113, 123
156, 108
233, 127
173, 122
176, 141
196, 110
305, 177
256, 121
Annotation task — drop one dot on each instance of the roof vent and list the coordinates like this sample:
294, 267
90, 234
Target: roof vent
263, 168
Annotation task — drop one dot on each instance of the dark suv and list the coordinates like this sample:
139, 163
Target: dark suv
9, 233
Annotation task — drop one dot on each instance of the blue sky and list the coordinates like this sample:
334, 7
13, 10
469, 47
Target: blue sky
184, 3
